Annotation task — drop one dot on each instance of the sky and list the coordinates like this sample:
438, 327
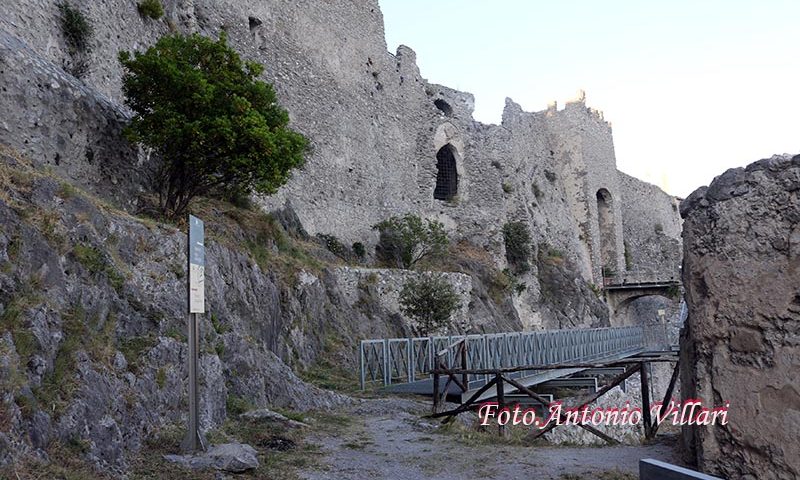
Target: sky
691, 88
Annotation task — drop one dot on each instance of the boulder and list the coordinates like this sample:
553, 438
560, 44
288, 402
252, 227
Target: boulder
742, 337
228, 457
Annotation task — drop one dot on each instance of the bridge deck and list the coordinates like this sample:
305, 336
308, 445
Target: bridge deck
454, 394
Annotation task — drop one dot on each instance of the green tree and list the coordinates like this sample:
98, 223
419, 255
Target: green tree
406, 241
218, 128
518, 246
430, 301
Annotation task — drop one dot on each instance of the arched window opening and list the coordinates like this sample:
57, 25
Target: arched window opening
605, 220
444, 107
446, 174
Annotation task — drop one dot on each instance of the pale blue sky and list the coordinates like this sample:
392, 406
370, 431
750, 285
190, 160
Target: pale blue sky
691, 87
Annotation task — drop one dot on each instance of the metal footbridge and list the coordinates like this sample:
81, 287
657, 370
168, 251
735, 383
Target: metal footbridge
406, 365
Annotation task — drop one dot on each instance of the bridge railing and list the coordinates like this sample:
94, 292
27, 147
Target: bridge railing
640, 276
403, 360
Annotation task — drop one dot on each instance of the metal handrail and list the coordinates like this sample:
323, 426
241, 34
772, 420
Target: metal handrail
404, 360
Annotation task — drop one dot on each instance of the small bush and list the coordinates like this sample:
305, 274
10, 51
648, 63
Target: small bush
237, 405
334, 245
507, 187
405, 241
76, 28
658, 228
359, 250
430, 301
518, 246
151, 8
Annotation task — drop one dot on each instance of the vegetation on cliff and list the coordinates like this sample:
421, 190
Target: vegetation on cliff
218, 129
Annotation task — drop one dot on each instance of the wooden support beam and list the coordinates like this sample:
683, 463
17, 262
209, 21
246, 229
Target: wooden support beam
619, 379
464, 376
436, 390
466, 405
501, 400
646, 420
668, 394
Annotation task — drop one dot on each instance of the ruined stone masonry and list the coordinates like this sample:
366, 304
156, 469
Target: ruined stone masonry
742, 279
385, 141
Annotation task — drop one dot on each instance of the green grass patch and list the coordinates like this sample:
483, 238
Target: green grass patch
329, 372
161, 377
236, 405
93, 260
81, 332
134, 349
25, 341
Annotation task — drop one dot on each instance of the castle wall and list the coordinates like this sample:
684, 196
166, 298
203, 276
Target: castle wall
375, 127
651, 230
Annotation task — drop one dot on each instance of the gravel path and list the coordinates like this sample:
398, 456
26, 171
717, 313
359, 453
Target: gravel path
389, 440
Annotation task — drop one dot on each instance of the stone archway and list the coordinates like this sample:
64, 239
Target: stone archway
656, 312
446, 174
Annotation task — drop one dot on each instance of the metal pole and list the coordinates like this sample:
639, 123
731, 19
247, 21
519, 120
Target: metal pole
194, 440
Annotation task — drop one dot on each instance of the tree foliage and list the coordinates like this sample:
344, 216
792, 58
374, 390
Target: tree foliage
405, 241
518, 246
151, 8
218, 128
430, 301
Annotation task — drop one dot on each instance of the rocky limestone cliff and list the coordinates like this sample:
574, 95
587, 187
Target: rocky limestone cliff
742, 278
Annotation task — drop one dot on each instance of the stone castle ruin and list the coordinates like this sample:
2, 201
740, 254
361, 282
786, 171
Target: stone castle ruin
384, 141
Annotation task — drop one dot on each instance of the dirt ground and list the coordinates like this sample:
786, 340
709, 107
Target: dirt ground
387, 438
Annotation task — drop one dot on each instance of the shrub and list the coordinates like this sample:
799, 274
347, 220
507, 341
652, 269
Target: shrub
430, 301
507, 187
609, 271
236, 405
658, 228
76, 28
405, 241
215, 125
518, 246
334, 245
359, 250
151, 8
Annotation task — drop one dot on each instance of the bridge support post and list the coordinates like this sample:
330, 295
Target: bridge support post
648, 424
501, 401
436, 388
465, 376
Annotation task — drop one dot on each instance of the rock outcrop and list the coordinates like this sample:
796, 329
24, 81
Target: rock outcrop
742, 277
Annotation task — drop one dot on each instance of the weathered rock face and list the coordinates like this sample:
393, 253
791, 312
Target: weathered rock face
376, 126
742, 277
92, 322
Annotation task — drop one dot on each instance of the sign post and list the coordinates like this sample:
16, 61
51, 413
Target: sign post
194, 440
